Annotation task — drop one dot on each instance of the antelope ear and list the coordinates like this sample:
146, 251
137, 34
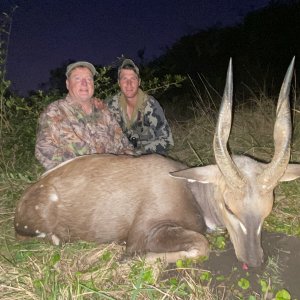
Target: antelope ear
207, 174
292, 172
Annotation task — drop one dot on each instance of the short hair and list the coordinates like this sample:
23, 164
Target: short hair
128, 64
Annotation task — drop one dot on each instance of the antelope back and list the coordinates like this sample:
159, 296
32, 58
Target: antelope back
106, 198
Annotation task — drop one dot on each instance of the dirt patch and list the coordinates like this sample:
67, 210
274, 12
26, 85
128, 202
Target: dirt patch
281, 269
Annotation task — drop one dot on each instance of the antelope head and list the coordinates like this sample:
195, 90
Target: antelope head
248, 190
240, 193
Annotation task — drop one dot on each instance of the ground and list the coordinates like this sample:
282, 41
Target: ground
281, 269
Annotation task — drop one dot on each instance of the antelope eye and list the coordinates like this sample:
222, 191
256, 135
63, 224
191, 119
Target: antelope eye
228, 209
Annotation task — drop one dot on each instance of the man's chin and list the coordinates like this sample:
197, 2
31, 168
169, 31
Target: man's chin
85, 96
130, 95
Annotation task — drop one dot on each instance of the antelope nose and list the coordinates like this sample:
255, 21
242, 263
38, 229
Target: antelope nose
256, 260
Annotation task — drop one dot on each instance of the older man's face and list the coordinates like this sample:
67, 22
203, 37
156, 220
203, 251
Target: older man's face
80, 84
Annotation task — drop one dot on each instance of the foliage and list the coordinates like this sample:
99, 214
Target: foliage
261, 47
19, 137
5, 27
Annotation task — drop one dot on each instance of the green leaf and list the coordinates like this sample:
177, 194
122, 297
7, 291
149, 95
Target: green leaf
179, 263
106, 256
55, 259
283, 295
205, 276
148, 276
220, 242
263, 285
220, 278
173, 281
244, 283
38, 284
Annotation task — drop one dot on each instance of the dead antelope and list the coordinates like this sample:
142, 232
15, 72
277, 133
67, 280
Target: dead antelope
105, 198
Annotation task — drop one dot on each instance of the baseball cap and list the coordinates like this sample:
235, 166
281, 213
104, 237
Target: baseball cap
129, 63
81, 64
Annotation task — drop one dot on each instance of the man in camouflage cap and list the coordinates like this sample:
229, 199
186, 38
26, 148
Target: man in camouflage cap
79, 124
140, 115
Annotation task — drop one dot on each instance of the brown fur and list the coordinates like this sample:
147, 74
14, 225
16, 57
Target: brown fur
105, 198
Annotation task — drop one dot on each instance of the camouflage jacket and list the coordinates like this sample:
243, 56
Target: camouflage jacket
66, 131
148, 129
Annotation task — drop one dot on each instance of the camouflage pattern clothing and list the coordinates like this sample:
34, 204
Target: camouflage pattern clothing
66, 131
148, 129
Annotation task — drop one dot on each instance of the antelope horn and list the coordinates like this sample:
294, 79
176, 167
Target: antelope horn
226, 165
282, 135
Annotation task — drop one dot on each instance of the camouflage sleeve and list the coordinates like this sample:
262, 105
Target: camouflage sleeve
119, 143
113, 106
47, 150
163, 139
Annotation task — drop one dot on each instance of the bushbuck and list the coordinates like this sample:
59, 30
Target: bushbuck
157, 206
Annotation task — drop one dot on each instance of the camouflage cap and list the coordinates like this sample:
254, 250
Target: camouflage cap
85, 64
129, 64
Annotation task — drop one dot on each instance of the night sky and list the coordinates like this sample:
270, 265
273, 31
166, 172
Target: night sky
47, 33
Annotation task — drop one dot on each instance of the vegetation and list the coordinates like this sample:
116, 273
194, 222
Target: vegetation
261, 47
35, 270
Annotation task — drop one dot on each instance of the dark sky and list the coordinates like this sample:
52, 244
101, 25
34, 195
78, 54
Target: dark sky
46, 33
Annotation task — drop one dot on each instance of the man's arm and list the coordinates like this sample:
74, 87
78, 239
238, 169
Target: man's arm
118, 142
163, 139
47, 150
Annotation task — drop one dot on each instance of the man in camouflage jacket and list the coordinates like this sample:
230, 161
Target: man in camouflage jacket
78, 124
140, 115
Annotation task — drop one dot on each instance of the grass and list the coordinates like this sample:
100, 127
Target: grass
35, 270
